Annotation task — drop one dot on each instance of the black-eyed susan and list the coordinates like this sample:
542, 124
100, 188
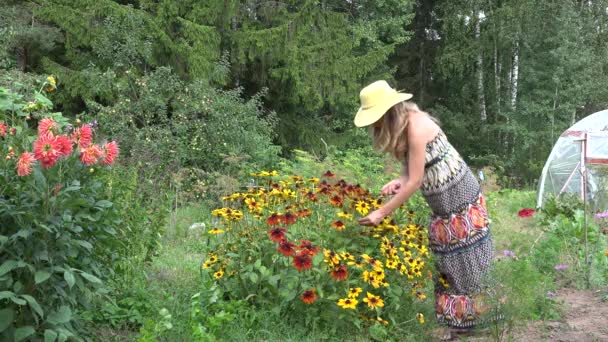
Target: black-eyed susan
286, 248
362, 207
309, 296
288, 218
308, 247
373, 301
218, 274
207, 264
345, 215
420, 318
329, 174
383, 321
338, 225
277, 233
339, 273
274, 219
391, 264
354, 292
420, 295
332, 258
215, 230
302, 261
348, 303
313, 180
336, 200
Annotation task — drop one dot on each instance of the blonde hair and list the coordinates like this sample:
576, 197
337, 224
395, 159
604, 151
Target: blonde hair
390, 132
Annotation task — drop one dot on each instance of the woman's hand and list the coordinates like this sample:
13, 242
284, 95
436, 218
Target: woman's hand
391, 187
373, 219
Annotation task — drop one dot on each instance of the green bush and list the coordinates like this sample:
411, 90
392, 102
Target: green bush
71, 226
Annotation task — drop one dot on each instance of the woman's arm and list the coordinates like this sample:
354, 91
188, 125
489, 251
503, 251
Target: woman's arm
415, 172
415, 166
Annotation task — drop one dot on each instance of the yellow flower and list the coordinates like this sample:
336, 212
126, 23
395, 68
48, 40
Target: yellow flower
354, 292
215, 230
377, 203
424, 252
362, 207
373, 301
313, 180
420, 318
207, 264
383, 321
50, 83
345, 215
391, 264
420, 295
348, 303
218, 274
606, 253
347, 256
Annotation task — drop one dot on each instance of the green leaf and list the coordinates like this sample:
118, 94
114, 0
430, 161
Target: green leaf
85, 244
43, 100
18, 300
253, 277
50, 335
6, 318
41, 276
90, 277
6, 294
69, 278
23, 332
7, 266
63, 315
103, 204
22, 233
33, 304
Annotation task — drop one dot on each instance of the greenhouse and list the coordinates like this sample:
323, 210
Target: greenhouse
580, 153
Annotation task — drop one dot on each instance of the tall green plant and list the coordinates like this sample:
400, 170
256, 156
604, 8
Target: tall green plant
58, 226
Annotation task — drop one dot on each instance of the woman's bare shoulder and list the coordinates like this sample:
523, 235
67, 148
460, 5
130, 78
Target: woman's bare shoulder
422, 127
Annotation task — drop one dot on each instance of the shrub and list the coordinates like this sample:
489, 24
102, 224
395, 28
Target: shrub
58, 226
294, 245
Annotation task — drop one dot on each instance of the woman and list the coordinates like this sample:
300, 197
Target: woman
459, 234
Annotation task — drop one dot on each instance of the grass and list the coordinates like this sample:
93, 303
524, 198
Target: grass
174, 277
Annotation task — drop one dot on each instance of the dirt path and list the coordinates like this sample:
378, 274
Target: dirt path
585, 319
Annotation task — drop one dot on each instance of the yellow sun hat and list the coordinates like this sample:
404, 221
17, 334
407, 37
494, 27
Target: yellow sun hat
376, 99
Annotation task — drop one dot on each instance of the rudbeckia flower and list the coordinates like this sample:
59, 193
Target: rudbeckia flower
348, 303
277, 233
373, 301
309, 296
302, 261
339, 273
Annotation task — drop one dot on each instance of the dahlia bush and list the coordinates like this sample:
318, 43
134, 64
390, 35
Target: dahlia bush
57, 224
295, 244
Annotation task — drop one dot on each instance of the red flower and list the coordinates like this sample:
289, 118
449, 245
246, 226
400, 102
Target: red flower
3, 128
309, 296
83, 136
277, 234
90, 155
339, 273
24, 164
286, 248
328, 174
526, 212
336, 200
288, 218
111, 151
274, 219
303, 213
311, 196
46, 126
302, 261
66, 145
47, 150
308, 247
338, 225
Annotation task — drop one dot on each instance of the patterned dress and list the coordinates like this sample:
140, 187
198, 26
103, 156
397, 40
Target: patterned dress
459, 235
